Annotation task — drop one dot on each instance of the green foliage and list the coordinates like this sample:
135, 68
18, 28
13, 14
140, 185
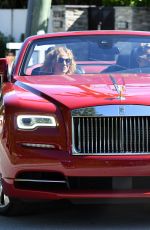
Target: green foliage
3, 41
126, 2
12, 4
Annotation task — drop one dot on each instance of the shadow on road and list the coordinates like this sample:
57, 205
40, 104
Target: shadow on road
64, 215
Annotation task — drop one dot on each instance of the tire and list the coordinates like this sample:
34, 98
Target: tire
8, 206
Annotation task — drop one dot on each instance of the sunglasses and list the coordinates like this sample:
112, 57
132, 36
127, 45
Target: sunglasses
62, 60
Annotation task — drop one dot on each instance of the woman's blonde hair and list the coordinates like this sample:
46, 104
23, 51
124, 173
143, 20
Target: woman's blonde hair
53, 56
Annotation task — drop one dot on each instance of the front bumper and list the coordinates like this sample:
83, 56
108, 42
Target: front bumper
24, 194
80, 178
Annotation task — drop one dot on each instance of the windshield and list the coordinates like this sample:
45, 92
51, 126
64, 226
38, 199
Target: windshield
87, 55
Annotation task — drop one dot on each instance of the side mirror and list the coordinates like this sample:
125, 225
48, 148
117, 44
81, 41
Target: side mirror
3, 70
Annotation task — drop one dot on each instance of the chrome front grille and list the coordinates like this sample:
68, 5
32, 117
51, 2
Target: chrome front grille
102, 135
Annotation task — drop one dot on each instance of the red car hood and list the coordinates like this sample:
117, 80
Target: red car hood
90, 90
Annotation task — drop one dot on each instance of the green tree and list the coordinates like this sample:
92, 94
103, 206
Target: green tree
126, 2
12, 4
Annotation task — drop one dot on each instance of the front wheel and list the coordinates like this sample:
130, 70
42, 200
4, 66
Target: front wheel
8, 206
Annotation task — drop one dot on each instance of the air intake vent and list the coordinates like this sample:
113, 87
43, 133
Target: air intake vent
41, 181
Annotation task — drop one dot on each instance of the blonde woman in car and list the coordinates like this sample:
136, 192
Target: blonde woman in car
59, 60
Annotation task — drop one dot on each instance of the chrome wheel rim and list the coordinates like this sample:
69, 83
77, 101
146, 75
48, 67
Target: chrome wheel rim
4, 200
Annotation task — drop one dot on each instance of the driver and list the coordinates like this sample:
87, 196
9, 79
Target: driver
143, 56
59, 60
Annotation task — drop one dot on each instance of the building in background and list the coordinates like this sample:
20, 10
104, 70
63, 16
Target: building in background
77, 18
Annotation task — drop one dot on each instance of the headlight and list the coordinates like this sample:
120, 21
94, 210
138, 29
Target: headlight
33, 121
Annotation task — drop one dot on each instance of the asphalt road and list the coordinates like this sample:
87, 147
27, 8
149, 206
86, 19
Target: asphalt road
88, 216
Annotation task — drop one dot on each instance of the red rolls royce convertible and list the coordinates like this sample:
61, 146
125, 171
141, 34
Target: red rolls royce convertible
83, 134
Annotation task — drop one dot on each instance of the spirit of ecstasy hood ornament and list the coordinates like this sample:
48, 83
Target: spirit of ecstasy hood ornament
119, 88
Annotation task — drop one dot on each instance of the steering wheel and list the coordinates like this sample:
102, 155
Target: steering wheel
113, 68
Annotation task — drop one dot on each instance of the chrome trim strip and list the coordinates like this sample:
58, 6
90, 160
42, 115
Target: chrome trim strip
116, 134
147, 133
92, 134
112, 111
143, 137
126, 135
134, 125
96, 132
39, 181
83, 135
130, 134
104, 135
112, 133
88, 140
139, 139
100, 135
79, 135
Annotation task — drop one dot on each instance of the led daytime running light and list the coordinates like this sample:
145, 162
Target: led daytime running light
34, 145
